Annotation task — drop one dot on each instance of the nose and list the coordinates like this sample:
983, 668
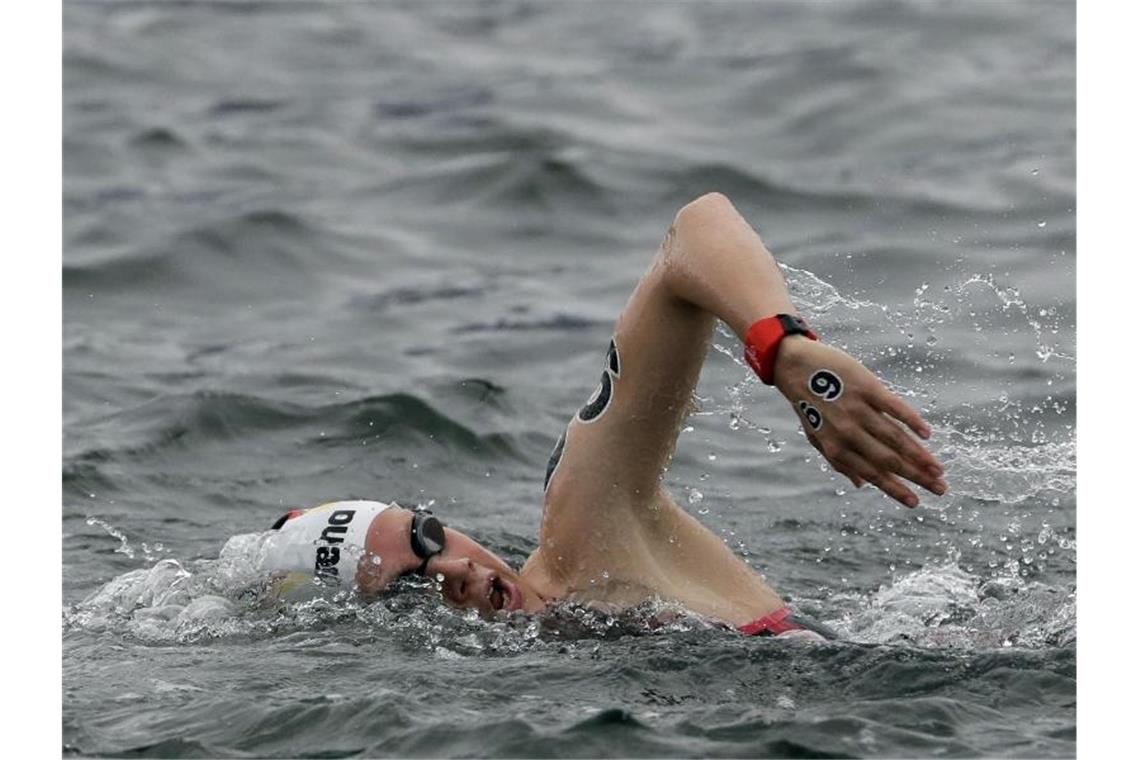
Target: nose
459, 578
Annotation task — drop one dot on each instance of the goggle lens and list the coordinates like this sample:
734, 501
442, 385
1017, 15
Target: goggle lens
427, 537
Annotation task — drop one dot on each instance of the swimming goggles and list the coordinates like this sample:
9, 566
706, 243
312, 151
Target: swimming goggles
427, 537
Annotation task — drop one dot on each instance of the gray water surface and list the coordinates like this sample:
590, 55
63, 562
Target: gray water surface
323, 251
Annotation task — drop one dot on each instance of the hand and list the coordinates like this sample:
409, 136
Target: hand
852, 420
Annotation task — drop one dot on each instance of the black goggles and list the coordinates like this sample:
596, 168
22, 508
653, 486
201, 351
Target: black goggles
427, 537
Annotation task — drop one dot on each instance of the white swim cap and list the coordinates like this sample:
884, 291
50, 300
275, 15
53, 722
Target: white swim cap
325, 542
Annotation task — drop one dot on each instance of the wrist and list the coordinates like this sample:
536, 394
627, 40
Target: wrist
788, 359
766, 337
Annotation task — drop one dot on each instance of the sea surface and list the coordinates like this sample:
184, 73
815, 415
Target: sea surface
318, 251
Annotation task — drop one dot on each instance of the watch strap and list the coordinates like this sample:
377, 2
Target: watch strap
762, 342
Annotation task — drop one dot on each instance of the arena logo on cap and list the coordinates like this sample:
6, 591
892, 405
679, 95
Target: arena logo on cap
329, 556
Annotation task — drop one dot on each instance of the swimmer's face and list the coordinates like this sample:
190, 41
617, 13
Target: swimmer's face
473, 577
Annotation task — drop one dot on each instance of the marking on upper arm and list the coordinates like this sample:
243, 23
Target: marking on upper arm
555, 459
612, 359
594, 408
604, 393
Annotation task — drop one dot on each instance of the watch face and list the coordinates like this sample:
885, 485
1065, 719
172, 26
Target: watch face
793, 325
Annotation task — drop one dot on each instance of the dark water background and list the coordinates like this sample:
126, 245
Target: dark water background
320, 251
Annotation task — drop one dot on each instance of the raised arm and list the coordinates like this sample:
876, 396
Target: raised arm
713, 265
718, 263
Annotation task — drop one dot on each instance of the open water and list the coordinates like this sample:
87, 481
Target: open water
344, 250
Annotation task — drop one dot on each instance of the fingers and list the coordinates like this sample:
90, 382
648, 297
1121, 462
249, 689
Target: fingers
894, 488
887, 460
855, 479
884, 481
885, 401
917, 464
862, 441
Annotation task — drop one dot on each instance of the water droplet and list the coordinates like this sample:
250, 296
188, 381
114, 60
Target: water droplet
712, 457
375, 559
1034, 171
439, 577
1042, 223
695, 496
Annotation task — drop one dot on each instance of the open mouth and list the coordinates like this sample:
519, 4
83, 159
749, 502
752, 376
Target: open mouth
501, 594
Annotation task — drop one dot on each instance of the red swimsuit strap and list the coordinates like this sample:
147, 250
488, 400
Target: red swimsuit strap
773, 624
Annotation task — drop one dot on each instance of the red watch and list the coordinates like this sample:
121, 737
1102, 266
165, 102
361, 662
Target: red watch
763, 341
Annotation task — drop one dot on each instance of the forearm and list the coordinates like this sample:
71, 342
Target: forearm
715, 261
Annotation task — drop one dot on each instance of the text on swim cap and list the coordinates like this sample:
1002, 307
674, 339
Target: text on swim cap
333, 533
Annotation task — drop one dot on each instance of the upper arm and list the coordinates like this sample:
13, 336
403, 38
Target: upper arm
619, 441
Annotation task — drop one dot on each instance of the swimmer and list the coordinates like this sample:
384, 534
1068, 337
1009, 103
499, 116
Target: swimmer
611, 533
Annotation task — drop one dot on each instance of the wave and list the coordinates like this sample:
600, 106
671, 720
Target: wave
410, 296
240, 251
158, 139
247, 232
237, 106
184, 420
555, 322
786, 196
425, 104
516, 177
942, 606
1008, 473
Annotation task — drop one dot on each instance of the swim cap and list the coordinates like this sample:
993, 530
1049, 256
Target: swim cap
324, 542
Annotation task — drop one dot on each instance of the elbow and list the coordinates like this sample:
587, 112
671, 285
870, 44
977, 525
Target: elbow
698, 226
709, 210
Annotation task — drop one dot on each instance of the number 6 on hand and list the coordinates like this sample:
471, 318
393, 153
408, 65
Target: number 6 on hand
811, 414
826, 384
